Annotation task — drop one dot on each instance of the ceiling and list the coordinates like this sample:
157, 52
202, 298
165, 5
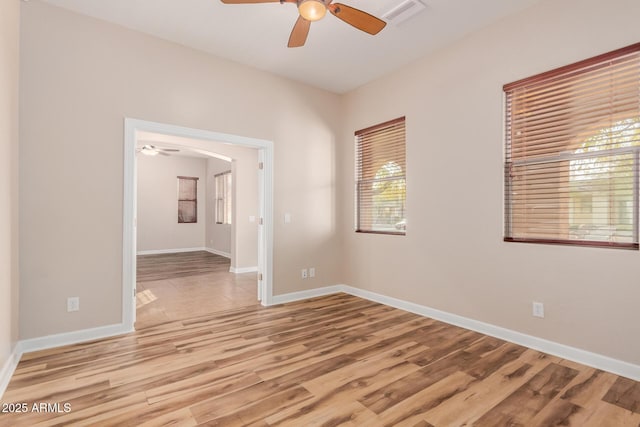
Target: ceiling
188, 147
336, 57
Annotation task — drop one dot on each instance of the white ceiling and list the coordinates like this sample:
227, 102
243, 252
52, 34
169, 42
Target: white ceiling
188, 147
336, 57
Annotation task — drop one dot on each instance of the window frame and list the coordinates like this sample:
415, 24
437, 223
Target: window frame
576, 70
223, 202
194, 200
360, 181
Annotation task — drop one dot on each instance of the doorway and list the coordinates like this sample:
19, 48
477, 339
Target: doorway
208, 139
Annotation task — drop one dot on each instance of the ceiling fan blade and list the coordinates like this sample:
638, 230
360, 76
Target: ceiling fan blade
357, 18
163, 153
169, 149
299, 33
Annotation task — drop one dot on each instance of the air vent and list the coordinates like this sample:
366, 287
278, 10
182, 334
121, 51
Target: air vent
405, 10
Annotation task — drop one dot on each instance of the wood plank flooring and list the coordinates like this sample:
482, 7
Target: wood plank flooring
179, 265
181, 285
331, 361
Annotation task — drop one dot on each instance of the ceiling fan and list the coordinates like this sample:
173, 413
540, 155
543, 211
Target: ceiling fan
152, 150
314, 10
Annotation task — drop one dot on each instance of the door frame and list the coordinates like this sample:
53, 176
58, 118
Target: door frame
265, 205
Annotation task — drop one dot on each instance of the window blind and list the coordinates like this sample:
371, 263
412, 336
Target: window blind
187, 199
571, 159
380, 178
223, 197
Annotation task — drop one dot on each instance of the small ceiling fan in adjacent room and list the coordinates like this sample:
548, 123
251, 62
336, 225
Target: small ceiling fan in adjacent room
152, 150
314, 10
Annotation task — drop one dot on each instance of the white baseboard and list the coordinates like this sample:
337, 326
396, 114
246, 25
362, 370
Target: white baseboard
302, 295
595, 360
8, 368
217, 252
75, 337
51, 341
170, 251
584, 357
239, 270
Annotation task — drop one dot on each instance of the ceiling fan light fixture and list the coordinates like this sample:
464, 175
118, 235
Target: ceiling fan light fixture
312, 10
149, 150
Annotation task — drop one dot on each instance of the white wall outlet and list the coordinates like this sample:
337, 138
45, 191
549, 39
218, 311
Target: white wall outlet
252, 218
305, 273
312, 272
538, 309
287, 218
73, 304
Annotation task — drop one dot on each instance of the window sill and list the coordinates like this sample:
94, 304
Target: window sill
612, 245
392, 233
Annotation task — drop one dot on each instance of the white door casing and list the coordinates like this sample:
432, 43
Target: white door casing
265, 206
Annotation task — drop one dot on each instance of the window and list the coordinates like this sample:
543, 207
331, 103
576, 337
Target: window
223, 197
380, 178
572, 152
187, 199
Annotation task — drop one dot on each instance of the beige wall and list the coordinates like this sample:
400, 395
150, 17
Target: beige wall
241, 238
80, 78
218, 235
157, 204
453, 257
243, 235
9, 59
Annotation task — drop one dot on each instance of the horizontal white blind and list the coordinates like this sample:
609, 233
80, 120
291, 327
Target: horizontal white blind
381, 180
571, 161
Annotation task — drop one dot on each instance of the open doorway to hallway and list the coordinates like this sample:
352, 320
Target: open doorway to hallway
177, 261
197, 228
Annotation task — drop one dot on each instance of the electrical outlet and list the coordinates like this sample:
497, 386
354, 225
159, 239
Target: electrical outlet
73, 304
538, 309
312, 272
305, 273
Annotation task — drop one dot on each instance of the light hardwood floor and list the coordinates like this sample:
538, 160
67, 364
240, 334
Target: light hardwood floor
335, 360
181, 285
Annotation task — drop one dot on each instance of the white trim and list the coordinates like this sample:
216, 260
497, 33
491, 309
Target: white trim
598, 361
9, 368
265, 238
180, 250
240, 270
265, 251
217, 252
129, 225
311, 293
171, 251
584, 357
75, 337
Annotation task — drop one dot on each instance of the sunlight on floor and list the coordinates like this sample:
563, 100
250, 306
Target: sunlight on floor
145, 297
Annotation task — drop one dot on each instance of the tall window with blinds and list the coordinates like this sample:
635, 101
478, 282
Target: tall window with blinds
223, 197
187, 199
572, 153
381, 178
